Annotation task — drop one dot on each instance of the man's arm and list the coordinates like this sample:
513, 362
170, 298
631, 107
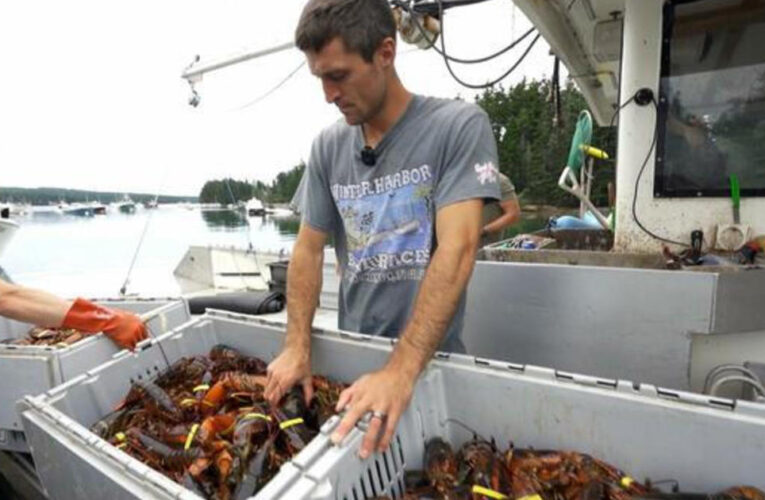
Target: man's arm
44, 309
304, 276
457, 230
32, 306
511, 214
389, 390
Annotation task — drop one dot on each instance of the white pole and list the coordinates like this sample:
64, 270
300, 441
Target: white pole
195, 72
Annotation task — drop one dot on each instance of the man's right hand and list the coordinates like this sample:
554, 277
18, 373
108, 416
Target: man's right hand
292, 366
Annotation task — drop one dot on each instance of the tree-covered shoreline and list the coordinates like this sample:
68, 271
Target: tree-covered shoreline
231, 191
53, 195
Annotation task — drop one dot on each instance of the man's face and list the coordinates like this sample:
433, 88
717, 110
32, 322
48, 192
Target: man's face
355, 86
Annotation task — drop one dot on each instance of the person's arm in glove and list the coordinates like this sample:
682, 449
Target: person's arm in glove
124, 328
45, 309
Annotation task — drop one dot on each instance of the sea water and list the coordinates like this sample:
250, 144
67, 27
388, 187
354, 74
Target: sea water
91, 256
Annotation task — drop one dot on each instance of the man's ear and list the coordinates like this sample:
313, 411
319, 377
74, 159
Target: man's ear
386, 52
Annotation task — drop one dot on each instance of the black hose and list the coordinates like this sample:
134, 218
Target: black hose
259, 302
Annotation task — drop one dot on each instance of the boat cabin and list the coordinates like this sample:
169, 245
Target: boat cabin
684, 80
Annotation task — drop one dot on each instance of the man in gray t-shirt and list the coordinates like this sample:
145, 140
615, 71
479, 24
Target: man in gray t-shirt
382, 216
399, 185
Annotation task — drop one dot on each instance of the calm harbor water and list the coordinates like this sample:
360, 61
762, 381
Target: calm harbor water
74, 256
91, 256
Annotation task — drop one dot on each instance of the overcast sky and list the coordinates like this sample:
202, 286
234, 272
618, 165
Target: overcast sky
91, 95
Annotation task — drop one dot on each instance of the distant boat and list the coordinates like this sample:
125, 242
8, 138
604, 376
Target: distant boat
98, 208
150, 204
20, 208
125, 205
279, 212
212, 206
46, 211
77, 209
255, 208
7, 227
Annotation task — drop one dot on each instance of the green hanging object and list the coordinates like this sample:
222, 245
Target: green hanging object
582, 137
735, 190
735, 196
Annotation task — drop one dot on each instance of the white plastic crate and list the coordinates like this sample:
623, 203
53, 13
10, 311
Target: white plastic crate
74, 463
32, 370
705, 444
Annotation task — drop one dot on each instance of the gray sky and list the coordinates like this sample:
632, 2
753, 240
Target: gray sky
91, 95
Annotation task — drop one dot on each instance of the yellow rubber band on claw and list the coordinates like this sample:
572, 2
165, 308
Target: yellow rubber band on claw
201, 387
290, 423
120, 436
188, 402
253, 416
627, 481
531, 497
190, 437
480, 490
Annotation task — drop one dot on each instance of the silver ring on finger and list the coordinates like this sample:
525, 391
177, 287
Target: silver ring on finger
379, 414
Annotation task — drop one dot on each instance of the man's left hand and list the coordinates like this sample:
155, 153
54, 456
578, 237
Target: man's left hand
385, 393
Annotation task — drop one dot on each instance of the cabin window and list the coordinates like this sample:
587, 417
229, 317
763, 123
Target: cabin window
712, 99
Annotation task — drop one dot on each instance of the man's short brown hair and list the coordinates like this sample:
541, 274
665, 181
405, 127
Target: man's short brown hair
361, 24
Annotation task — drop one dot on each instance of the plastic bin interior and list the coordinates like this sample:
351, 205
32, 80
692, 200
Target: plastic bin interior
78, 464
32, 370
707, 445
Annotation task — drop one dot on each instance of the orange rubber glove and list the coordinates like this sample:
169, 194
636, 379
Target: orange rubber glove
123, 328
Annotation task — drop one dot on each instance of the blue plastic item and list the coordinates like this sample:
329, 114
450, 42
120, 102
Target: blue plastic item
570, 222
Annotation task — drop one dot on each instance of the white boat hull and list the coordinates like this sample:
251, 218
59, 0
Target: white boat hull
205, 269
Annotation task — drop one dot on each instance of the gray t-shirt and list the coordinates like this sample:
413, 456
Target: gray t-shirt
382, 217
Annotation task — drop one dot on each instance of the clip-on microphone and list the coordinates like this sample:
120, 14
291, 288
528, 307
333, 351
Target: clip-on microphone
368, 156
